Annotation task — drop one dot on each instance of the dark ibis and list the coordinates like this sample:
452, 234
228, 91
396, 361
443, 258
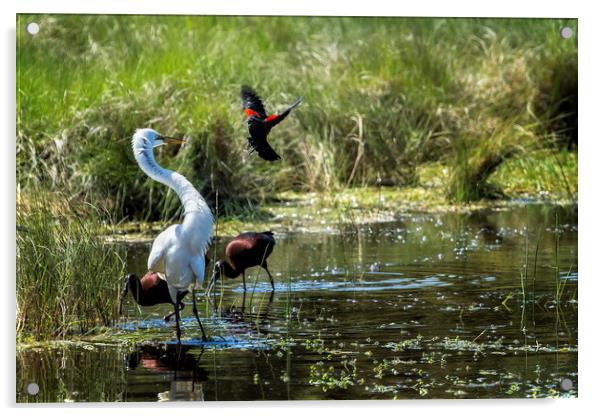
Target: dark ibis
260, 124
151, 290
245, 250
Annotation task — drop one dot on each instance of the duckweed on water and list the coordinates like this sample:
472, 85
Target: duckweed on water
328, 378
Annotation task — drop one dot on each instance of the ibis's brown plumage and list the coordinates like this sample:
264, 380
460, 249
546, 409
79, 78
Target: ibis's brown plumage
151, 290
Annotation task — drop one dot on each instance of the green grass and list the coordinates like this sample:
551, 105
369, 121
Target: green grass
548, 173
68, 279
383, 96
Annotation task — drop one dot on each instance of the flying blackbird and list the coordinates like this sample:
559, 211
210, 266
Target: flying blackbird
260, 124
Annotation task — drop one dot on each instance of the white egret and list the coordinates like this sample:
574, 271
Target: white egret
178, 253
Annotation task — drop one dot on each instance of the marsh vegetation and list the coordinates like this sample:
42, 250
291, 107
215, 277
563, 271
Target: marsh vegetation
383, 97
425, 207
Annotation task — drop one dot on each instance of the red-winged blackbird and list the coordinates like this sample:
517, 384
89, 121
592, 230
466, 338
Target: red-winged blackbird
260, 124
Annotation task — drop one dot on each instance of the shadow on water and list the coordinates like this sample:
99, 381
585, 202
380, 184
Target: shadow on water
474, 305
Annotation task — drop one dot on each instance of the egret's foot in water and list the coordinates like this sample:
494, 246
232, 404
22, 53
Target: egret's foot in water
196, 315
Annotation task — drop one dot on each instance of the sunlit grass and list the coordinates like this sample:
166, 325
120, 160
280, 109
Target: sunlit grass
382, 97
67, 278
545, 172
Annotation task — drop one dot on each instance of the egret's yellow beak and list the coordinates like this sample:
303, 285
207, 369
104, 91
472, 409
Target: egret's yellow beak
173, 140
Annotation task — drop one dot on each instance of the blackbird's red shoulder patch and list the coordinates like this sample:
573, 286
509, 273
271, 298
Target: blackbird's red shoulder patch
250, 112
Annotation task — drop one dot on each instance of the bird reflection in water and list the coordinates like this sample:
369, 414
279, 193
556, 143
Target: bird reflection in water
177, 364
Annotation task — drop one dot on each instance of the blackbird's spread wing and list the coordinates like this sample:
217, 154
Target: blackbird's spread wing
267, 153
263, 149
274, 119
260, 126
251, 102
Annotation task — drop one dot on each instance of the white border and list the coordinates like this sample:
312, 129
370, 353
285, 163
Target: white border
507, 8
590, 35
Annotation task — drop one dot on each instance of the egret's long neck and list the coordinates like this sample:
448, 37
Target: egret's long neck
191, 199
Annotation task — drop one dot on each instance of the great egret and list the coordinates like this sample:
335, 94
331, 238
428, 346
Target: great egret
260, 124
244, 251
178, 253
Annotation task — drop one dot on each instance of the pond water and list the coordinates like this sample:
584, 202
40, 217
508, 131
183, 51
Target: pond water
429, 306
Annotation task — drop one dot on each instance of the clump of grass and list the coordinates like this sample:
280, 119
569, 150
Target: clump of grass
543, 172
504, 114
472, 168
68, 280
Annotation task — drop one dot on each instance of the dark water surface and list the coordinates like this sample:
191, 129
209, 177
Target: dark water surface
431, 306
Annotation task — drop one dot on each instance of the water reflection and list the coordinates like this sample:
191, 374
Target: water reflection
174, 363
248, 315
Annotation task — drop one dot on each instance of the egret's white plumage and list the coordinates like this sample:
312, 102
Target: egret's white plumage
179, 251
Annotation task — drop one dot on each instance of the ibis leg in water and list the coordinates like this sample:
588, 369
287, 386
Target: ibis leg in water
265, 266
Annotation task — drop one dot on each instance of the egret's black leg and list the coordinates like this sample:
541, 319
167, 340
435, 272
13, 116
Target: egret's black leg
244, 282
196, 315
177, 313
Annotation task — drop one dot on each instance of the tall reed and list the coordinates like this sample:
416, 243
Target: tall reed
68, 279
